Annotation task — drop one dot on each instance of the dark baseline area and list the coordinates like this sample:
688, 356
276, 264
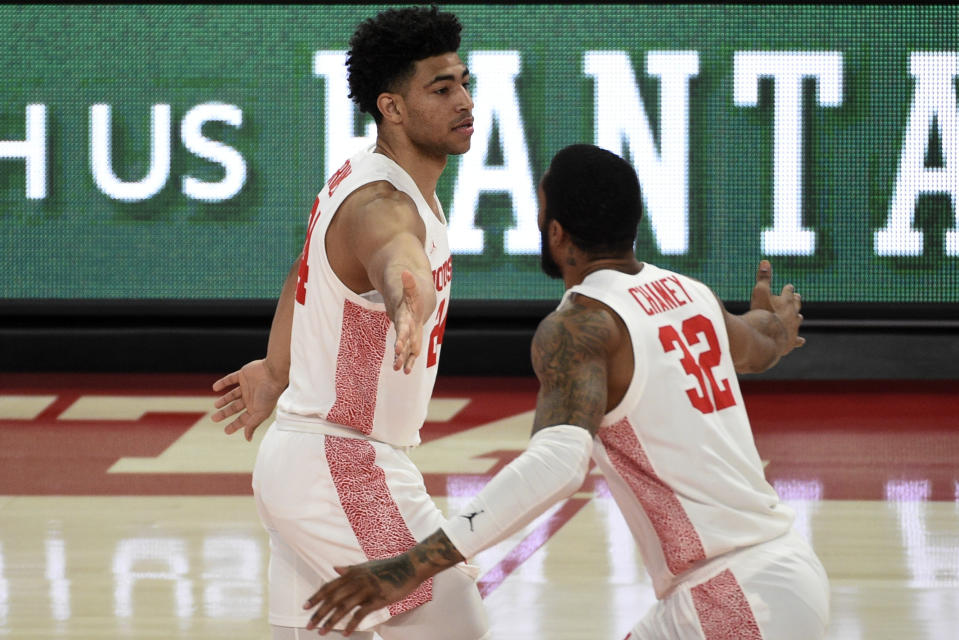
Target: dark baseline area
844, 340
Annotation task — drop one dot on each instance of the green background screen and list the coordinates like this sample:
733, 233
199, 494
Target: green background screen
174, 152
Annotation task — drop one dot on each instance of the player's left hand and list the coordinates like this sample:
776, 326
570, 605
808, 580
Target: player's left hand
369, 586
785, 306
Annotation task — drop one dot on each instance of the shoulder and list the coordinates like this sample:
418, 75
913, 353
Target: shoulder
380, 202
581, 328
378, 194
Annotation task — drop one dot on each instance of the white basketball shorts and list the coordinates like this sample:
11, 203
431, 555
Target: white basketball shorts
775, 590
330, 500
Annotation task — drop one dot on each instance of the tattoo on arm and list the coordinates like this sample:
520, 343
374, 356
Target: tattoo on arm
569, 354
396, 571
436, 551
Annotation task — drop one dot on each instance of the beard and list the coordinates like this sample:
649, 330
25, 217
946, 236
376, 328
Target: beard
546, 261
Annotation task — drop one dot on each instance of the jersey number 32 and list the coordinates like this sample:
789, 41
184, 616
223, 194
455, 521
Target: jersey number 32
708, 395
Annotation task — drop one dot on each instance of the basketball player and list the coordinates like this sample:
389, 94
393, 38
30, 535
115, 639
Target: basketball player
637, 368
355, 342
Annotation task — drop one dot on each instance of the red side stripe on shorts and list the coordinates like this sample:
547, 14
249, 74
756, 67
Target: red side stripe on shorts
370, 508
358, 362
724, 613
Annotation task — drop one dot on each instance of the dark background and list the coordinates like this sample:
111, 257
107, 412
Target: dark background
844, 341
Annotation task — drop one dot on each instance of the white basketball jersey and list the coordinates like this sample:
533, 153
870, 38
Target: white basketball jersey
342, 345
678, 452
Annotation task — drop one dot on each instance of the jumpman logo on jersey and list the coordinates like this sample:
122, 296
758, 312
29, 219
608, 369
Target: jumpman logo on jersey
471, 516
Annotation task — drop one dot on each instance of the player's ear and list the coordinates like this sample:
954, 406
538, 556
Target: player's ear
556, 232
391, 106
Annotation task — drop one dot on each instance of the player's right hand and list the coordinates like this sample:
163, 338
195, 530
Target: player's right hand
252, 392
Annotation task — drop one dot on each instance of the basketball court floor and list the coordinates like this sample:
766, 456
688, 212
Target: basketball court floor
125, 512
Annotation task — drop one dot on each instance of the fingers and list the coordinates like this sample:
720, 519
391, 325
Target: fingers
409, 364
227, 398
404, 359
361, 613
228, 411
336, 600
236, 425
408, 342
793, 303
226, 381
407, 349
760, 296
400, 353
229, 404
764, 272
341, 611
789, 294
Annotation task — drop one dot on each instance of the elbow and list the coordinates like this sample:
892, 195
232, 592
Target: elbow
562, 454
578, 469
574, 478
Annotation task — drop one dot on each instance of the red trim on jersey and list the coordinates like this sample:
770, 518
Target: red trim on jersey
723, 610
358, 362
339, 176
681, 545
370, 508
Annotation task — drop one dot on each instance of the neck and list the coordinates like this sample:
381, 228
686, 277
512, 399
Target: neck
576, 274
425, 169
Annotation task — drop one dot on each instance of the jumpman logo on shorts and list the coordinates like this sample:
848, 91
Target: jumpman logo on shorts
471, 516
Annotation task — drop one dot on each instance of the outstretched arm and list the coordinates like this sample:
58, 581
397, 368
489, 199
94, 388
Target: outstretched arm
769, 330
382, 230
254, 389
570, 352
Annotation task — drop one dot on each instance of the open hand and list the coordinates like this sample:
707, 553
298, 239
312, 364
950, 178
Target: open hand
369, 586
255, 390
408, 321
785, 306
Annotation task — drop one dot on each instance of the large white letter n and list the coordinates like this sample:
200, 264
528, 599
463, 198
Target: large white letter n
620, 120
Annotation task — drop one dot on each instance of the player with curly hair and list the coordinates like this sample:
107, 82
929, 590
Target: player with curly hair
354, 345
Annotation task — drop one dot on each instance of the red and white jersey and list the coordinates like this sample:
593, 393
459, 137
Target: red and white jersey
342, 344
678, 451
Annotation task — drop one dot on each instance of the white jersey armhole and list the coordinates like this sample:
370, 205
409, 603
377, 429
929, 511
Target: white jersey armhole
637, 382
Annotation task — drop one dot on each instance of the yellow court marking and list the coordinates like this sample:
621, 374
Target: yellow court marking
23, 407
445, 409
458, 453
203, 448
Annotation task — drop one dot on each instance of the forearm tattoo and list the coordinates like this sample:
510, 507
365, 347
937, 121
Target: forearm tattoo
436, 551
396, 571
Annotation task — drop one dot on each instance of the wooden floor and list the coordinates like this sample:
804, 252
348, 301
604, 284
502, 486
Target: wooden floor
126, 513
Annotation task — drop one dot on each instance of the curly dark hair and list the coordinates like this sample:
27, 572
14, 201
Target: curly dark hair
384, 50
595, 195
